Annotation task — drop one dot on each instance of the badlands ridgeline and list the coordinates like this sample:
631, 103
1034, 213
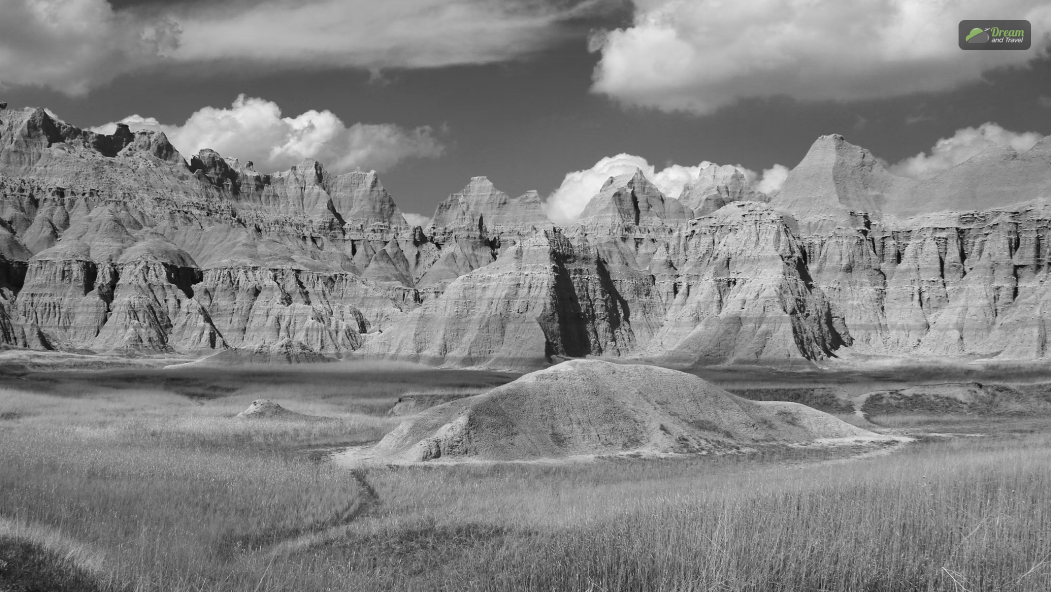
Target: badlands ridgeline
118, 243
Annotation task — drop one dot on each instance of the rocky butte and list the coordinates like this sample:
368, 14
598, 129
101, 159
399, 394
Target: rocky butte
117, 243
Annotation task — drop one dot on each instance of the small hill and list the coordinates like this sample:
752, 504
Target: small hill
267, 409
590, 407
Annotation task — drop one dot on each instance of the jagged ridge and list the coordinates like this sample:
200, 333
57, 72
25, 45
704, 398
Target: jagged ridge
116, 242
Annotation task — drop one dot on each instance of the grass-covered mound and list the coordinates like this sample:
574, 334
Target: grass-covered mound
590, 407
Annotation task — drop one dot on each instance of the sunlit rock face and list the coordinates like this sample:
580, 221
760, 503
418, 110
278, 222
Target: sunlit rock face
949, 266
118, 243
715, 187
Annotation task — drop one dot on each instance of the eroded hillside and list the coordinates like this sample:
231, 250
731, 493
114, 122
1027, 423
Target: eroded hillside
118, 243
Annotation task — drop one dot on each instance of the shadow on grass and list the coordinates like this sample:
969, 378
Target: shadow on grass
26, 567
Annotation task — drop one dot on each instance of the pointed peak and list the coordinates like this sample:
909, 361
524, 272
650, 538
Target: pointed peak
309, 169
992, 152
836, 147
373, 181
622, 180
41, 113
479, 184
831, 140
479, 188
208, 164
1043, 142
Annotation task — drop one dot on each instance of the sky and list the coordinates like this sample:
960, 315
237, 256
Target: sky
551, 95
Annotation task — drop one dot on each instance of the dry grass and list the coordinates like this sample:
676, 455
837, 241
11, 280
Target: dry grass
84, 557
955, 516
167, 515
153, 488
173, 494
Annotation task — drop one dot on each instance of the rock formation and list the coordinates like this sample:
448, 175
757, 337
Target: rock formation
482, 209
904, 275
740, 293
470, 228
837, 184
267, 409
591, 407
117, 243
715, 187
630, 200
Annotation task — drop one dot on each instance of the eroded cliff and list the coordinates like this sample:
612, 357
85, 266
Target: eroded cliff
118, 243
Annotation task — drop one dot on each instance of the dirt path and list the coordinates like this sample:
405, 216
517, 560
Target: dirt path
370, 499
886, 449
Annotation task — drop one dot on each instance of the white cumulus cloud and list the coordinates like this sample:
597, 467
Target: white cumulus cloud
965, 143
253, 129
700, 55
578, 187
416, 219
566, 203
772, 180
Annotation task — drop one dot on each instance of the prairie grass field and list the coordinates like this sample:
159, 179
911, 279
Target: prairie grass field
136, 479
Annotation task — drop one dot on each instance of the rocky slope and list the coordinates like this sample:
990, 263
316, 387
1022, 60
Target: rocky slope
117, 242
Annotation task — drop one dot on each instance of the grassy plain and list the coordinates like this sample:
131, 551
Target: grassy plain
142, 479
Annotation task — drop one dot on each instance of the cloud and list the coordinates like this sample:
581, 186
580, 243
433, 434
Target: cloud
578, 187
135, 122
697, 56
74, 45
253, 129
373, 35
965, 143
416, 219
566, 203
772, 180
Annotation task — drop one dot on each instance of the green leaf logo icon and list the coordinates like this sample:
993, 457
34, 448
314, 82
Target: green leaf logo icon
977, 36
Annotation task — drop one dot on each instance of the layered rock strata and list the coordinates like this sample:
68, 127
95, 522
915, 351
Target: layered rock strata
117, 243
